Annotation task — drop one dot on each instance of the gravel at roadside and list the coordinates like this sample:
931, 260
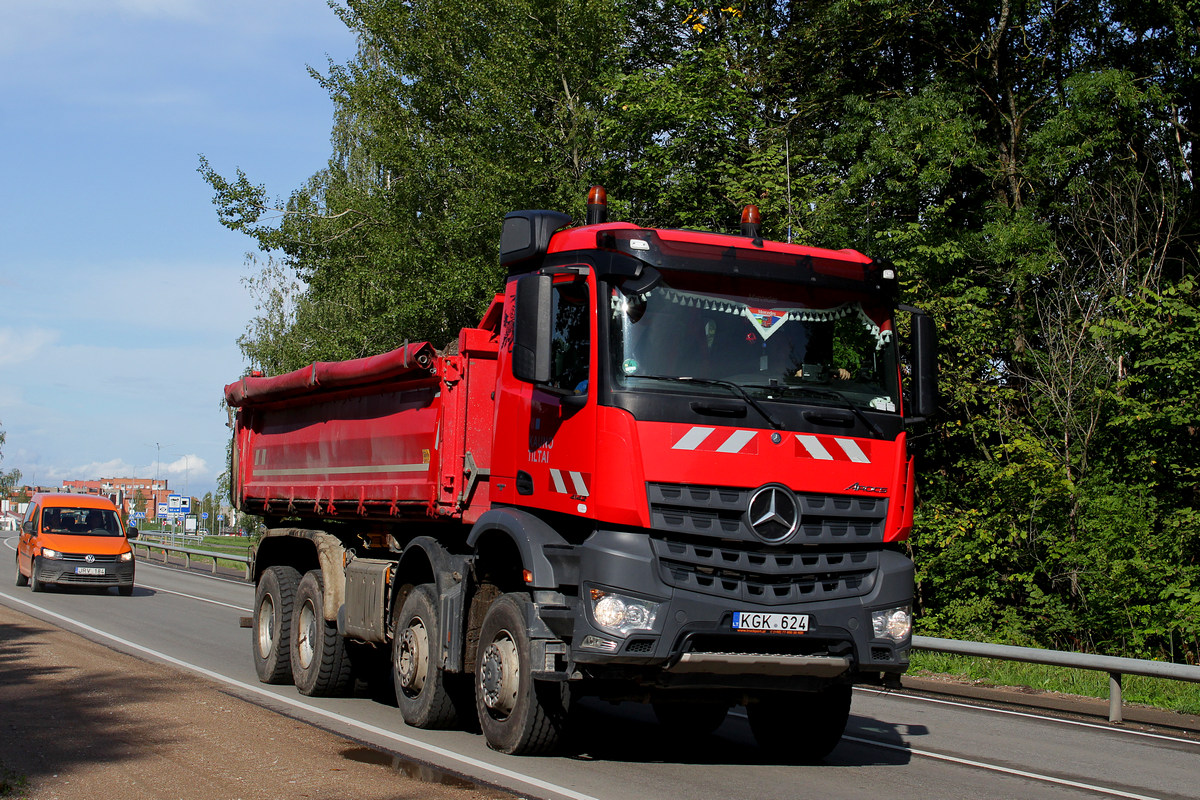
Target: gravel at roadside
79, 721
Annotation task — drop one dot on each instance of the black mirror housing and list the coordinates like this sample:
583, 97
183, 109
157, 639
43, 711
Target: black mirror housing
531, 329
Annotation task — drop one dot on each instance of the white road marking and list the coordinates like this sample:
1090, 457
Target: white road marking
408, 742
997, 768
1028, 715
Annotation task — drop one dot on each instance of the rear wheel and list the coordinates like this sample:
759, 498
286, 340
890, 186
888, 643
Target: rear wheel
320, 662
273, 601
800, 726
518, 715
22, 579
421, 692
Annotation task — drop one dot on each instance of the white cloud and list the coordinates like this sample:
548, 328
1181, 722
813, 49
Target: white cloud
24, 345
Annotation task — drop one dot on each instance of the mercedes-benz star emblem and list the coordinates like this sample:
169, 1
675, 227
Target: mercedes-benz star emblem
773, 513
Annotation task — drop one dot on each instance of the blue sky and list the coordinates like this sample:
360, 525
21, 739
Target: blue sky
121, 296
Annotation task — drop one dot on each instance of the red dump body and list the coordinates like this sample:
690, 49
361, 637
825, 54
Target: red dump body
386, 437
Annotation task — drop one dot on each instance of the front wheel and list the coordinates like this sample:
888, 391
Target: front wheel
421, 692
800, 726
22, 580
320, 662
35, 577
274, 598
518, 715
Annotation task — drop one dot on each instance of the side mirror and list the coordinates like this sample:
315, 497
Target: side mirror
131, 532
532, 329
924, 375
27, 526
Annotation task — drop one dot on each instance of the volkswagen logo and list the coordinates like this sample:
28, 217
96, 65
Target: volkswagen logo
773, 514
91, 559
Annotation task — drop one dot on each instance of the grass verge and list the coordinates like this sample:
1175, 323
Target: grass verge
1172, 695
12, 785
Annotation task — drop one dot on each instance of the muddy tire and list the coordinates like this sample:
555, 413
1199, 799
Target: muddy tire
320, 660
35, 581
801, 727
518, 715
421, 687
274, 599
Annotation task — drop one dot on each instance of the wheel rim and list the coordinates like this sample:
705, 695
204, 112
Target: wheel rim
412, 661
308, 635
500, 675
266, 625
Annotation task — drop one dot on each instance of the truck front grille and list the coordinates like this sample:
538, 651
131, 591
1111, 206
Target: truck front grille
768, 577
704, 544
719, 511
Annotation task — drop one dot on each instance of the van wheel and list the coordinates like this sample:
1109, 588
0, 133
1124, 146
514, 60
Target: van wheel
823, 715
518, 715
273, 601
421, 692
320, 662
125, 591
21, 579
35, 581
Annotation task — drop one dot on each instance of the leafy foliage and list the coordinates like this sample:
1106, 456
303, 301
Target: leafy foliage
1029, 167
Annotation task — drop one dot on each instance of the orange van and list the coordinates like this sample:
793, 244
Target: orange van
74, 540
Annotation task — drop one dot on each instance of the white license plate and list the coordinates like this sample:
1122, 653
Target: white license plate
750, 621
89, 570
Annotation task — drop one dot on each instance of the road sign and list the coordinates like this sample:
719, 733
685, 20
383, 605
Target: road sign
203, 515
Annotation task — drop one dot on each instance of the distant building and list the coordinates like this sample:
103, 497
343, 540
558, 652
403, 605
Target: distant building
128, 494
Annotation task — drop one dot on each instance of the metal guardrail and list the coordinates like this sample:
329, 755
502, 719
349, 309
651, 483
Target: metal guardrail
188, 552
1115, 666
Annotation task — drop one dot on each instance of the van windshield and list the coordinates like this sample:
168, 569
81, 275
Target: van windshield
87, 521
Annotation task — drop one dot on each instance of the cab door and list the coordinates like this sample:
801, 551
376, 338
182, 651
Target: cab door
27, 539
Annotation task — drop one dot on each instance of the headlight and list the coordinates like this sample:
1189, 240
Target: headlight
127, 556
48, 553
892, 623
621, 614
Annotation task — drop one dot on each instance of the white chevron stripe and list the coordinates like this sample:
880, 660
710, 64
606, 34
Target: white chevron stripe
736, 441
693, 438
854, 451
581, 488
814, 447
559, 486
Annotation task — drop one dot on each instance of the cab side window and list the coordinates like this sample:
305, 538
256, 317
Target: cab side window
31, 516
570, 351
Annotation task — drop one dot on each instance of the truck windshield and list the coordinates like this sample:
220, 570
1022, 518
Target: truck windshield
777, 342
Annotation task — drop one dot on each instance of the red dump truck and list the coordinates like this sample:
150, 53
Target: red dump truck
668, 466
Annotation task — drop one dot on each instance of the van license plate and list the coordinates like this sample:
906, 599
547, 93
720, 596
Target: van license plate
774, 623
89, 570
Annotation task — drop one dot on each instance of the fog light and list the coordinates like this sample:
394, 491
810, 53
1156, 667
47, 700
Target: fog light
621, 614
599, 643
892, 623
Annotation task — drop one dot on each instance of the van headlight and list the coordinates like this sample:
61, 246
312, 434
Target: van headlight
48, 553
621, 614
127, 556
892, 623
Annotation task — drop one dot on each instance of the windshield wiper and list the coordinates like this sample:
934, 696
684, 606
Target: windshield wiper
737, 389
833, 394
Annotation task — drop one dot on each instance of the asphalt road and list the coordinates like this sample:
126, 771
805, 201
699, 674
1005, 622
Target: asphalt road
896, 745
